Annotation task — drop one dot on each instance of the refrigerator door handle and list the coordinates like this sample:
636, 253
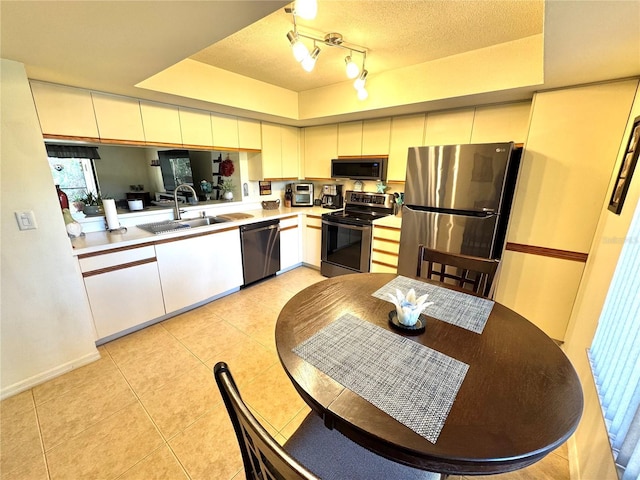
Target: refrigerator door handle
488, 210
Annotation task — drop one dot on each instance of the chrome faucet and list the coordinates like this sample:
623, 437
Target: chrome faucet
175, 198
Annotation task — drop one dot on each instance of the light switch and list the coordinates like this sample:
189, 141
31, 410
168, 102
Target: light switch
26, 220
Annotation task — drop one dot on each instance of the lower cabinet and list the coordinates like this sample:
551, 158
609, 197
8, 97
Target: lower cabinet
199, 267
312, 240
384, 249
290, 242
116, 282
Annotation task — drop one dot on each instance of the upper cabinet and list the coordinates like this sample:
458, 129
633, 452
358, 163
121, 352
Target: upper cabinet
225, 130
375, 136
280, 154
249, 134
161, 123
320, 146
64, 111
449, 128
368, 137
119, 118
349, 139
196, 128
501, 123
405, 132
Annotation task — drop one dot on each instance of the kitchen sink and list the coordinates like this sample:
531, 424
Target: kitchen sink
169, 226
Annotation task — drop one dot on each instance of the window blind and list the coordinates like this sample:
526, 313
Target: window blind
615, 357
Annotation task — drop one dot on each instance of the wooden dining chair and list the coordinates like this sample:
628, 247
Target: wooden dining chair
313, 452
467, 272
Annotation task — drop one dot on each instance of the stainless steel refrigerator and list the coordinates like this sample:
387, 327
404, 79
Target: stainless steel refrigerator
457, 199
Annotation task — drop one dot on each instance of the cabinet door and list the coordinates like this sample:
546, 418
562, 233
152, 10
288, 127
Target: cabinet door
320, 146
289, 242
312, 240
405, 132
161, 123
350, 139
119, 118
64, 110
375, 136
225, 131
198, 268
249, 134
124, 298
290, 152
449, 128
501, 123
196, 127
271, 151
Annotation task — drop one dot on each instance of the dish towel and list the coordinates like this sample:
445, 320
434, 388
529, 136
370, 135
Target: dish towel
414, 384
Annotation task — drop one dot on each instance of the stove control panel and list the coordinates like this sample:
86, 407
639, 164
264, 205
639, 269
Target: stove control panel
370, 199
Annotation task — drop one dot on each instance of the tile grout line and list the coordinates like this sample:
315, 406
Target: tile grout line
40, 436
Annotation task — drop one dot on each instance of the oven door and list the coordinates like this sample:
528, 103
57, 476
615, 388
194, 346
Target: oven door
346, 248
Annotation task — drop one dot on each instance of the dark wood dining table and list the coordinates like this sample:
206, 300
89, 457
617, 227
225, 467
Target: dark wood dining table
520, 399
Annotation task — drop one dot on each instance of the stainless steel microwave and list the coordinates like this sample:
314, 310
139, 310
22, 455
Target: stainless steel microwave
364, 168
301, 194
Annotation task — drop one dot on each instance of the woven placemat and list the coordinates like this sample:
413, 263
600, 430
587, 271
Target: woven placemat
414, 384
458, 308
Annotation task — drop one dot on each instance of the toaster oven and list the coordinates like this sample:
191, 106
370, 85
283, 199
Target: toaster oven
301, 194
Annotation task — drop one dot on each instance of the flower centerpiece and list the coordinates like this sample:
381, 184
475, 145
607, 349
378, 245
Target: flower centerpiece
408, 308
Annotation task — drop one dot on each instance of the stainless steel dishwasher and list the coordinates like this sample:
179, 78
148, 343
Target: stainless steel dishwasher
260, 250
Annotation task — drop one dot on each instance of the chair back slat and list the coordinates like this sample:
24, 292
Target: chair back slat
262, 455
464, 271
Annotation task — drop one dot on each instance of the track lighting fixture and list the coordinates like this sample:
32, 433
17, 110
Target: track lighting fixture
308, 59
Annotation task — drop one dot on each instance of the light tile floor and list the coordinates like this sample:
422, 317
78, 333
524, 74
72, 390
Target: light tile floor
150, 409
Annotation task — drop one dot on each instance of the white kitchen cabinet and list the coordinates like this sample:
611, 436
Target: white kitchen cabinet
119, 118
384, 249
501, 123
406, 131
320, 146
290, 137
196, 127
199, 267
64, 111
449, 128
123, 287
161, 123
249, 134
225, 130
350, 139
290, 242
280, 158
375, 136
312, 240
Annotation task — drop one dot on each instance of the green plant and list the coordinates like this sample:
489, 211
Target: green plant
90, 199
227, 186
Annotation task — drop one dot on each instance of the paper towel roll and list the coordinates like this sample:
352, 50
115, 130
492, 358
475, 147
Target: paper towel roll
111, 213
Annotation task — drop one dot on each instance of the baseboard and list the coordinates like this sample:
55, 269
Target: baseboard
574, 461
48, 375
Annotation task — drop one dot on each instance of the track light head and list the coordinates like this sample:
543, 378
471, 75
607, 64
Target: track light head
359, 83
310, 61
352, 67
299, 49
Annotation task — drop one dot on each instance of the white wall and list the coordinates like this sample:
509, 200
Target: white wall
46, 325
590, 449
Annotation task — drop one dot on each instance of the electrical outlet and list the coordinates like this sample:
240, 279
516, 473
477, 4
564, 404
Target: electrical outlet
26, 220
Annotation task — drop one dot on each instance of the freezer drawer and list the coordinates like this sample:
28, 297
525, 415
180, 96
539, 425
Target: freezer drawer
470, 235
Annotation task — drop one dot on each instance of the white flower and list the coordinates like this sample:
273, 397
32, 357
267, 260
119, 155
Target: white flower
407, 307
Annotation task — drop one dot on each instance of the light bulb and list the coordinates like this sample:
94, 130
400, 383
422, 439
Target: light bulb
363, 94
307, 9
359, 83
352, 68
300, 51
310, 61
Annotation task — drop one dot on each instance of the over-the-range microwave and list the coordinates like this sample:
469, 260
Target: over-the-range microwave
363, 168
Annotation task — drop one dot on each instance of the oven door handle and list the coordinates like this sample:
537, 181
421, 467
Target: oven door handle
346, 225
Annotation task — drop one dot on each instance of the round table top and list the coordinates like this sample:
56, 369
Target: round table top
520, 399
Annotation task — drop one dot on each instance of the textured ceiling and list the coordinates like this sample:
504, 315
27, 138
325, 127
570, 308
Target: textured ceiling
395, 34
